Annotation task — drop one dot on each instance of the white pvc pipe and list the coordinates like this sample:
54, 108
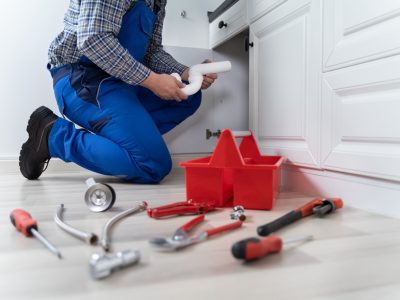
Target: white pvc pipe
196, 73
239, 134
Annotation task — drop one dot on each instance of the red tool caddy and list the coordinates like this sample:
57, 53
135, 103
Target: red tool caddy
234, 175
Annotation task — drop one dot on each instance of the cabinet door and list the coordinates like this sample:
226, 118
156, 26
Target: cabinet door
359, 31
361, 127
361, 89
285, 72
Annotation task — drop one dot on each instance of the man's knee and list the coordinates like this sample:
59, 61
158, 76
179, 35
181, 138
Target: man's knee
161, 168
153, 170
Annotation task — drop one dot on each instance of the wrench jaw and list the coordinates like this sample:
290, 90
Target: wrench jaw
171, 244
166, 244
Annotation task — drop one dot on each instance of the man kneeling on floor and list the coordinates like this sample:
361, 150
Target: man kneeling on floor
111, 77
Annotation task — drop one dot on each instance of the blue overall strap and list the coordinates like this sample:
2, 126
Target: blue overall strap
137, 30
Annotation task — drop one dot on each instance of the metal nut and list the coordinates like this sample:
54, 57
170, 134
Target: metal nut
238, 208
238, 213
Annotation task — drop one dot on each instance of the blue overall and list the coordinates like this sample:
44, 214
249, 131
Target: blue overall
122, 124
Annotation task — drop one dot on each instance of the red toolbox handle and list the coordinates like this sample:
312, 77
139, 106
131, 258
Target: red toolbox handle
228, 154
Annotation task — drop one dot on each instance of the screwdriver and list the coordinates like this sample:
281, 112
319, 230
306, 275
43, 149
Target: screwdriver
23, 221
254, 248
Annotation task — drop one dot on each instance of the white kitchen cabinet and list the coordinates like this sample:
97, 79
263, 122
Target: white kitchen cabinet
328, 99
285, 81
258, 8
359, 31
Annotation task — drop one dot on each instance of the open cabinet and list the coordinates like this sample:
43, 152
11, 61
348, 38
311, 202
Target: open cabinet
226, 103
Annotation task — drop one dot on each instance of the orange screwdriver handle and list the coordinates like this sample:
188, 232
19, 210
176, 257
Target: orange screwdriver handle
23, 221
254, 248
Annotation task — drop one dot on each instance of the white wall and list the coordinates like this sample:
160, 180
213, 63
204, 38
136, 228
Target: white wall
192, 30
26, 31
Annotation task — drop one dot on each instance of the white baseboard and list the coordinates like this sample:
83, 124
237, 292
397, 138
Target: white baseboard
377, 196
10, 165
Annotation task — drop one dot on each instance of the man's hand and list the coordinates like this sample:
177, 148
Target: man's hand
208, 79
165, 86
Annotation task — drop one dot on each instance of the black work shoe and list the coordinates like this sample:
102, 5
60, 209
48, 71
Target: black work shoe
34, 156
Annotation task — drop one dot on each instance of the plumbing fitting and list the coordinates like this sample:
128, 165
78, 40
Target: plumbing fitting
101, 266
105, 236
238, 213
196, 73
99, 197
89, 238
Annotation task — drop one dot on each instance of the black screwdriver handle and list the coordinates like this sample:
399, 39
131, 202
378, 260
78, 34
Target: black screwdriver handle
239, 249
277, 224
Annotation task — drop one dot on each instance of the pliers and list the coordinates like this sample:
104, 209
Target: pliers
180, 208
181, 238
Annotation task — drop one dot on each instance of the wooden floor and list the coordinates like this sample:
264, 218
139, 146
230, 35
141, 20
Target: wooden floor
355, 254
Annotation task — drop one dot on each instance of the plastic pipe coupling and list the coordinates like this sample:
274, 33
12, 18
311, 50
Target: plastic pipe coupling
196, 73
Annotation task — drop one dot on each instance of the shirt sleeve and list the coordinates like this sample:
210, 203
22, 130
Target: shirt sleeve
156, 58
99, 23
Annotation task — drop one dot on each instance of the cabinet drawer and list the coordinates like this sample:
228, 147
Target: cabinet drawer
258, 8
235, 19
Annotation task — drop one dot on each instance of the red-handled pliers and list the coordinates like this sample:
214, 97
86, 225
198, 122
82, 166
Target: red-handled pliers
181, 237
180, 208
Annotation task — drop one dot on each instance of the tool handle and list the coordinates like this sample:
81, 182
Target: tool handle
277, 224
160, 213
23, 221
253, 248
223, 228
338, 202
189, 225
171, 205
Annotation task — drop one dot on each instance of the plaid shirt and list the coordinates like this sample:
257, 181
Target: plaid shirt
90, 29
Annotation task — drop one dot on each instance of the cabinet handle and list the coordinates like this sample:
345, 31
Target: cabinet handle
210, 134
247, 44
222, 24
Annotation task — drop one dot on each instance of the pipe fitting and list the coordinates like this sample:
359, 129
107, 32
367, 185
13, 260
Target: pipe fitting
99, 197
196, 73
101, 266
105, 237
89, 238
238, 213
